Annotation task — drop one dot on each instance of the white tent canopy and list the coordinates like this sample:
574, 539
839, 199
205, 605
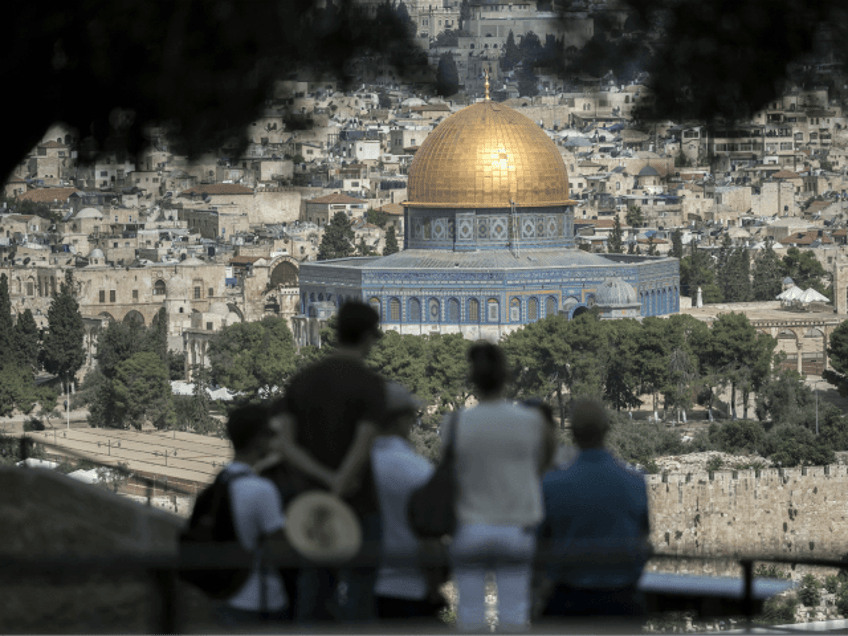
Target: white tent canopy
793, 293
812, 296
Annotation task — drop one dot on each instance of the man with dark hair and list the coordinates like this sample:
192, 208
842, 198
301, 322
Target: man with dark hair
333, 409
596, 526
257, 515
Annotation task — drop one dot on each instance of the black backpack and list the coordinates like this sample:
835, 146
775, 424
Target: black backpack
212, 522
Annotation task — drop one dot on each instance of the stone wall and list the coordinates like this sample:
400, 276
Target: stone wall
797, 512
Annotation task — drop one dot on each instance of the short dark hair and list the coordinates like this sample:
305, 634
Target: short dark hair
247, 423
488, 367
589, 423
357, 320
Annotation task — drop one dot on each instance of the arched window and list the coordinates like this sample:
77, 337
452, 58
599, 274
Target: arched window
515, 310
394, 310
532, 309
550, 306
434, 310
492, 310
375, 303
159, 288
473, 310
453, 310
414, 310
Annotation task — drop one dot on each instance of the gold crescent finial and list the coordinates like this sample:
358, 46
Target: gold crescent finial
487, 84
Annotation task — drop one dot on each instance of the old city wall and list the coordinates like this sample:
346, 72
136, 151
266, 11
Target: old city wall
797, 512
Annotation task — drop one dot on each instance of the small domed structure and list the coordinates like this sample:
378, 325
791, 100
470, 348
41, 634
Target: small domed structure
96, 257
787, 283
616, 298
89, 213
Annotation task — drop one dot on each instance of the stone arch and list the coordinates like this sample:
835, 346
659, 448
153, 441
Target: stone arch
106, 315
814, 332
133, 315
284, 274
235, 310
577, 310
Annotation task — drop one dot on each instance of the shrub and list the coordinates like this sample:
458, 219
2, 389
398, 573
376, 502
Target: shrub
715, 463
842, 600
638, 441
33, 424
738, 436
831, 584
810, 591
770, 571
793, 445
779, 611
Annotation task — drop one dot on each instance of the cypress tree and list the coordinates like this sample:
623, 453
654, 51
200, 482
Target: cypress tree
614, 243
63, 354
391, 245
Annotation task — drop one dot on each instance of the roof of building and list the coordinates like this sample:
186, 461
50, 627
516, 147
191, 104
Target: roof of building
395, 209
217, 188
244, 260
785, 174
648, 171
47, 195
488, 156
52, 144
336, 197
89, 213
806, 238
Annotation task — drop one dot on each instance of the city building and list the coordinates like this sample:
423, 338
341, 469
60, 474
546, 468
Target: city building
489, 243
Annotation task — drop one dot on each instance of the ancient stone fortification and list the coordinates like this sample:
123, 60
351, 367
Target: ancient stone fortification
795, 512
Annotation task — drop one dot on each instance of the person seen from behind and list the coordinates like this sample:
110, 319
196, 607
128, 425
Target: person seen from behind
405, 588
258, 520
501, 449
596, 526
331, 413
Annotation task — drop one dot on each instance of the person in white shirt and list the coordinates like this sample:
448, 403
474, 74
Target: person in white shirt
402, 591
258, 520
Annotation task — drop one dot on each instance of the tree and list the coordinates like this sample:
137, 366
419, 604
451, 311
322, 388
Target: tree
676, 244
337, 241
26, 341
696, 270
363, 249
6, 334
63, 354
633, 216
530, 50
447, 76
141, 392
768, 273
837, 352
805, 269
377, 217
528, 82
509, 54
256, 358
391, 244
614, 243
735, 276
621, 385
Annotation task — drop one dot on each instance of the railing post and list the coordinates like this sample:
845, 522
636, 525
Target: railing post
748, 599
164, 619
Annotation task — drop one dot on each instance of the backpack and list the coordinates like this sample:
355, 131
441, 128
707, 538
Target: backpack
211, 522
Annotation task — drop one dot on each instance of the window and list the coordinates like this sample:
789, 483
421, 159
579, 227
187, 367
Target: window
208, 326
453, 310
111, 295
394, 310
375, 304
550, 306
159, 288
211, 292
102, 295
473, 310
135, 295
197, 293
433, 310
103, 173
515, 310
492, 313
532, 309
414, 310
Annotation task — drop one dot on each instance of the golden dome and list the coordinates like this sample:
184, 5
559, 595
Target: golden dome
486, 156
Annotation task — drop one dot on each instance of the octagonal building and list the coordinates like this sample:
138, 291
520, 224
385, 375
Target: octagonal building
489, 242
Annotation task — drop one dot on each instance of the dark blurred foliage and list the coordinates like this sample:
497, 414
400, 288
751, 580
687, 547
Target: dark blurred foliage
725, 59
205, 68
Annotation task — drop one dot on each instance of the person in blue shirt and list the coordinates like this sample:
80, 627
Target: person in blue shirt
596, 526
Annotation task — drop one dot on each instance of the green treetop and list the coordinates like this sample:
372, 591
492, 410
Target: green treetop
337, 241
391, 245
63, 354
